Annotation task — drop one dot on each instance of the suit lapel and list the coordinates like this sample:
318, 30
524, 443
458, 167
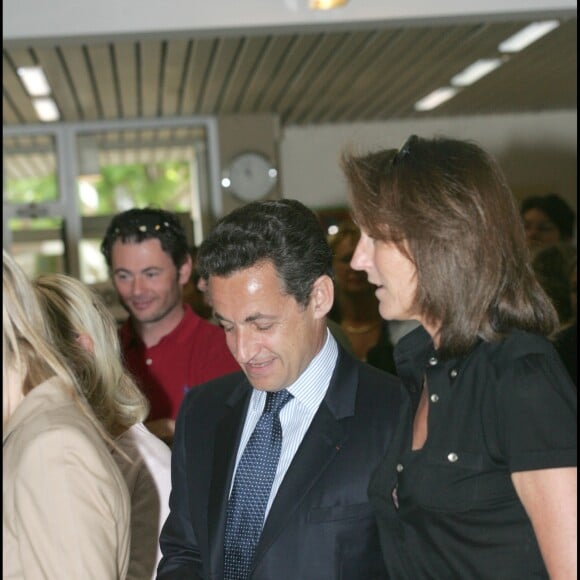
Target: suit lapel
228, 433
327, 433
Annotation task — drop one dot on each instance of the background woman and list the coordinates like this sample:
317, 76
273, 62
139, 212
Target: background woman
65, 504
484, 485
356, 308
84, 329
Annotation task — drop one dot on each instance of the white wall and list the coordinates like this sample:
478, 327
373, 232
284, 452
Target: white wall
536, 151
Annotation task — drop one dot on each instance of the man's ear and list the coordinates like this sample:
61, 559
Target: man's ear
322, 296
86, 342
185, 271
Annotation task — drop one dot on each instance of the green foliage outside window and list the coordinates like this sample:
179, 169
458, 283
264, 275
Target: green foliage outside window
32, 189
166, 185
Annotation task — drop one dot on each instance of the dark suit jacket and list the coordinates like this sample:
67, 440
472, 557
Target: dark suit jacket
321, 525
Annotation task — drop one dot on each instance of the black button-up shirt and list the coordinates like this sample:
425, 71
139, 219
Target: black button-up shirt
449, 510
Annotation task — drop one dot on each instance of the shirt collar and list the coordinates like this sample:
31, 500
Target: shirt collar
411, 354
130, 338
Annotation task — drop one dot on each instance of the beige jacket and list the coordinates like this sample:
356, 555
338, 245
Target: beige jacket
66, 508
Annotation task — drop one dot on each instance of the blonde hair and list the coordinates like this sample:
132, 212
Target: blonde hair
73, 310
27, 355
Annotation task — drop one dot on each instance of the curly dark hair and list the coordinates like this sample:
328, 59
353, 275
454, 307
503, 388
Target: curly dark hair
136, 225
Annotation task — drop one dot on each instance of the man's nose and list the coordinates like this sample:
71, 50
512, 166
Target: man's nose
245, 345
137, 286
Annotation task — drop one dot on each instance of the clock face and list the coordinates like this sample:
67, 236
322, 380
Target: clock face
251, 176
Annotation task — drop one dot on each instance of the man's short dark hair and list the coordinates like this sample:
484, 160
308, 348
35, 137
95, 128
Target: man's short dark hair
283, 232
137, 225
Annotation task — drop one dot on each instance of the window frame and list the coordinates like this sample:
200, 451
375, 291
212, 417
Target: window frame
204, 211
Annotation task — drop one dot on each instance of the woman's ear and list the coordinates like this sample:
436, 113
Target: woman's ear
322, 296
86, 342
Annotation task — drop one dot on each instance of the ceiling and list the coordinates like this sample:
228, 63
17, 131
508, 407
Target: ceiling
303, 77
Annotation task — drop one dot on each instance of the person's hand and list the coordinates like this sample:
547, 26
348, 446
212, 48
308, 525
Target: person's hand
162, 428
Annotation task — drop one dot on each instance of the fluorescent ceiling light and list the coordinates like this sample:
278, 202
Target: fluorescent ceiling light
34, 80
326, 4
46, 109
475, 71
527, 35
436, 98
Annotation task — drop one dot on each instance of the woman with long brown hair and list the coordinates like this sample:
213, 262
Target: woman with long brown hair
483, 484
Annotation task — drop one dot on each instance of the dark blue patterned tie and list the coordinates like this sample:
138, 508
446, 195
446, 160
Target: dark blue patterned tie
251, 489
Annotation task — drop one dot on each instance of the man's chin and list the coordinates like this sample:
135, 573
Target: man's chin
263, 381
154, 313
144, 317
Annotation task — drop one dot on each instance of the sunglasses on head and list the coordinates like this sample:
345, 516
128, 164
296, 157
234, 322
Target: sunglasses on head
405, 149
144, 224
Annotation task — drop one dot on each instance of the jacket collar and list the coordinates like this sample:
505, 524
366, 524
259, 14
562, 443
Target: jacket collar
49, 394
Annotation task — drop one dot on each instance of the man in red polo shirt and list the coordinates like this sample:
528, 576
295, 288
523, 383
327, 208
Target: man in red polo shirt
167, 347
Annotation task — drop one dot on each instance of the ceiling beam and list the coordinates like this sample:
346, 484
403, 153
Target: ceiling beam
65, 21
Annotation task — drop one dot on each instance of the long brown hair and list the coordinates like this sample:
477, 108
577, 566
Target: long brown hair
447, 205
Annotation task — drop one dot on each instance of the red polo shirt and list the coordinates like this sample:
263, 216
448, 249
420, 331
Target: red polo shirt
193, 353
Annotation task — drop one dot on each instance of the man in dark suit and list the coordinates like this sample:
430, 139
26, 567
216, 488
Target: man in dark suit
269, 275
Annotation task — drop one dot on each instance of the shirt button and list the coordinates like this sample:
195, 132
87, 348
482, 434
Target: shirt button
399, 467
434, 398
453, 373
149, 362
433, 361
452, 457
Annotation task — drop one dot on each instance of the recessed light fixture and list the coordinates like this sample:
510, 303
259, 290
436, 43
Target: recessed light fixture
484, 66
527, 35
326, 4
46, 109
34, 80
475, 71
436, 98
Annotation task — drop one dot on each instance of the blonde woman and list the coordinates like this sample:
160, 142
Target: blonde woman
65, 503
84, 329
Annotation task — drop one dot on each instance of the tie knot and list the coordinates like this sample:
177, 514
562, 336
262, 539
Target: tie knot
276, 400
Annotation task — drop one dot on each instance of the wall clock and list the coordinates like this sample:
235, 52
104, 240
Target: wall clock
250, 176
